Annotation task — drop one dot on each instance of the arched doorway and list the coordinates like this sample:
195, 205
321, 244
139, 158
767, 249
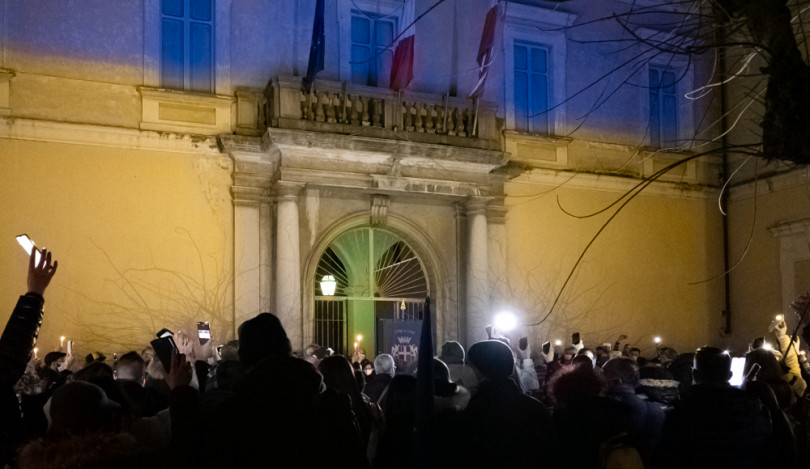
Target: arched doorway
376, 276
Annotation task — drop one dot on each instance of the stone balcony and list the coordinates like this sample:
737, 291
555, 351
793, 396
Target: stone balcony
342, 108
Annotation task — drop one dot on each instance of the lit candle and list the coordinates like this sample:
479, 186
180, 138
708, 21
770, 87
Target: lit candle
657, 340
359, 338
355, 346
35, 352
558, 342
62, 341
779, 317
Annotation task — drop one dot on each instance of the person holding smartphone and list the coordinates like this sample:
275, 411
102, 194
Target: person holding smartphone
17, 346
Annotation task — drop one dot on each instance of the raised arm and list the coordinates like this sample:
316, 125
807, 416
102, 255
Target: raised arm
20, 335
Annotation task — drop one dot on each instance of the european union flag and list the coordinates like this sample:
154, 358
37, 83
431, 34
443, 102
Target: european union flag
316, 50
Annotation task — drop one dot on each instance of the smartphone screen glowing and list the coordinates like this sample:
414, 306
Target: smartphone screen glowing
28, 245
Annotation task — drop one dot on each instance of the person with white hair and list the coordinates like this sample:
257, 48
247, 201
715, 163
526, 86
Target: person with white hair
384, 370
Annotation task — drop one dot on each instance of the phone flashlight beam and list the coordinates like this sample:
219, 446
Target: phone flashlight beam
505, 321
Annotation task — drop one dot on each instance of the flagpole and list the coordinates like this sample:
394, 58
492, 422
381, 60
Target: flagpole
475, 119
399, 110
345, 97
446, 106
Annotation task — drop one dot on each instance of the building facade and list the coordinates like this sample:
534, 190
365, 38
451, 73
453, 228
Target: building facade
168, 153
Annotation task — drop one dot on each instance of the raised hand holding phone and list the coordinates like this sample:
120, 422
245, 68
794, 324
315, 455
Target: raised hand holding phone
40, 272
179, 372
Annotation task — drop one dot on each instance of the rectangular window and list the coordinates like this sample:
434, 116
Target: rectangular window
187, 45
531, 88
663, 107
371, 61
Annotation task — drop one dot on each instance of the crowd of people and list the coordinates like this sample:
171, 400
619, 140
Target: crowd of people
254, 403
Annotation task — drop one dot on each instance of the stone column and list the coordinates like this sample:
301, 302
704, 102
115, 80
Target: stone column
477, 288
288, 263
252, 228
247, 249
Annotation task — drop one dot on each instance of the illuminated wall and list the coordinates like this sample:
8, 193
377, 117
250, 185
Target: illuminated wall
639, 278
770, 249
137, 203
142, 238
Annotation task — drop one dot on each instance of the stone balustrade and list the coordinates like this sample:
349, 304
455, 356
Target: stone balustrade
345, 108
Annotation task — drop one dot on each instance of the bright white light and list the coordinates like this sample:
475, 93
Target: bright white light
359, 338
767, 346
558, 342
737, 368
328, 285
657, 340
779, 317
505, 321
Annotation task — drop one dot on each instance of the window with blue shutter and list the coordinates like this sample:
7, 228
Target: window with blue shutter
187, 45
371, 61
663, 107
531, 70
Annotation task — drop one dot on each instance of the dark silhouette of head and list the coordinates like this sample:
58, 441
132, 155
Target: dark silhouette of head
586, 352
339, 375
621, 373
712, 366
583, 361
444, 386
666, 354
492, 358
770, 373
130, 366
94, 370
452, 353
228, 374
262, 337
80, 407
573, 383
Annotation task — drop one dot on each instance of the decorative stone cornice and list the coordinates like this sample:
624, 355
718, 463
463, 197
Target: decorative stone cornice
229, 143
771, 184
254, 169
360, 147
607, 183
790, 227
106, 136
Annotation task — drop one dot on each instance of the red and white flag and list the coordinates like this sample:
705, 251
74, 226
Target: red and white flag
402, 64
485, 51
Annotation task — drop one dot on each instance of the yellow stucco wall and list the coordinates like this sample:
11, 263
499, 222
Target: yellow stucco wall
757, 280
144, 240
637, 277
